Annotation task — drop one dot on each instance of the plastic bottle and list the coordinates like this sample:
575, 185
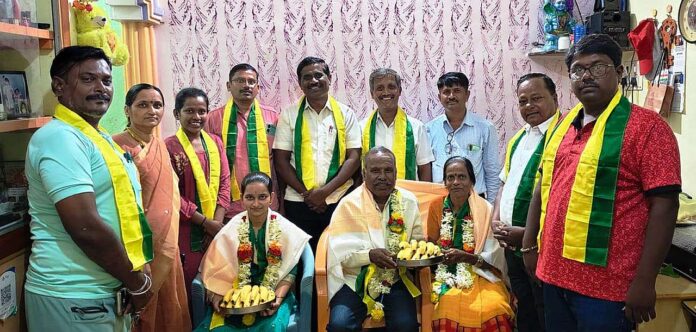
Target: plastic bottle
578, 32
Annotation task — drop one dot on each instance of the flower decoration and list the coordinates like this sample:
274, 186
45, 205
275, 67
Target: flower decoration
396, 219
435, 293
464, 276
249, 319
469, 248
82, 5
377, 312
381, 282
244, 253
434, 297
274, 253
447, 223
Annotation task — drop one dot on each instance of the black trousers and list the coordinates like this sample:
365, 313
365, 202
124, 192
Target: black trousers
347, 310
309, 221
530, 296
313, 224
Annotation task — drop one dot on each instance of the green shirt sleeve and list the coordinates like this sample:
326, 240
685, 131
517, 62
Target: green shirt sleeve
291, 275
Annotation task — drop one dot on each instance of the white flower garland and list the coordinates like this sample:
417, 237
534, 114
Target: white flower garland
383, 279
463, 279
273, 249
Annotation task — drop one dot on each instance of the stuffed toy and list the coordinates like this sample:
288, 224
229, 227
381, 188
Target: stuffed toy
94, 29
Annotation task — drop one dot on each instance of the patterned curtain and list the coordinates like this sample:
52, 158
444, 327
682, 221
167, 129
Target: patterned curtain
487, 40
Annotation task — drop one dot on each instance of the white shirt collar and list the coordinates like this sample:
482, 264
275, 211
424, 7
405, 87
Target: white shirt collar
542, 127
327, 106
379, 117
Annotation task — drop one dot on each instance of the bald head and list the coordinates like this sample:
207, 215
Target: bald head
379, 173
378, 151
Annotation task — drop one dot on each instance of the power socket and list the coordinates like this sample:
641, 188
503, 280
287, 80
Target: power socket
633, 79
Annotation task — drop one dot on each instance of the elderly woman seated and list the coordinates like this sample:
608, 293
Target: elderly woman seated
467, 287
256, 247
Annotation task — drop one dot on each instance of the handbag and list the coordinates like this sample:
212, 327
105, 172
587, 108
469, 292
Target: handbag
659, 98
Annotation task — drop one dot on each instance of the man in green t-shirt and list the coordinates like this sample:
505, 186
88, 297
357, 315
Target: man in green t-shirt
78, 258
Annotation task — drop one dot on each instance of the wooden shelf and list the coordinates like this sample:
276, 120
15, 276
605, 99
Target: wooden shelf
547, 54
15, 240
45, 37
560, 54
23, 124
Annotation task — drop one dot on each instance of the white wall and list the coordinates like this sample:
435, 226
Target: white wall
684, 125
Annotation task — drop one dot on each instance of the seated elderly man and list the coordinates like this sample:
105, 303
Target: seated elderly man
364, 236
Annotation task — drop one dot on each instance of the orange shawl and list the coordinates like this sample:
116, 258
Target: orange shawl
168, 309
480, 212
485, 245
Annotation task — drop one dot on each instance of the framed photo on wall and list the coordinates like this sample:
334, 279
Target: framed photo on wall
14, 94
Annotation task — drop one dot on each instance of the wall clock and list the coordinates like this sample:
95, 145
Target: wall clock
687, 20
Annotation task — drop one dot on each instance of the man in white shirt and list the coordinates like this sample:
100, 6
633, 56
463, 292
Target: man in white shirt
391, 127
538, 103
315, 154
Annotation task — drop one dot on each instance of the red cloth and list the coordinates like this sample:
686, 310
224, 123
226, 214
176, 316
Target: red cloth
495, 324
643, 39
187, 189
649, 162
213, 125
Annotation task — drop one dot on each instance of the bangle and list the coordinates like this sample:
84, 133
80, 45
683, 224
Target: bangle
526, 250
204, 220
144, 288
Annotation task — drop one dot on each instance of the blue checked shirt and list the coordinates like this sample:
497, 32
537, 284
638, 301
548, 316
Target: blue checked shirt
477, 140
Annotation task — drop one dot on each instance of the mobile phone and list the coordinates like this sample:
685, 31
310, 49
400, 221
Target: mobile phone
122, 297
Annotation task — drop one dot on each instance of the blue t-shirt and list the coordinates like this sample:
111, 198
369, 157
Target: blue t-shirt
62, 162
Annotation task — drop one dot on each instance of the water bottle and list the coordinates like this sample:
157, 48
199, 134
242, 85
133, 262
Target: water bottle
578, 32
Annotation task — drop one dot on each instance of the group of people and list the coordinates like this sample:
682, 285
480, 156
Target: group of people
572, 241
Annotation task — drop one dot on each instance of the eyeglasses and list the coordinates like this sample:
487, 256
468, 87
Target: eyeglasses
598, 70
448, 146
241, 81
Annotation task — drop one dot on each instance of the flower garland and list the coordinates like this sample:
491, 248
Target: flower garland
463, 278
245, 254
382, 280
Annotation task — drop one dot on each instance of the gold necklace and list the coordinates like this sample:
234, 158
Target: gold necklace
136, 137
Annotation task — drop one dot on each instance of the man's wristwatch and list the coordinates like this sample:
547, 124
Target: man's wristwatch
479, 261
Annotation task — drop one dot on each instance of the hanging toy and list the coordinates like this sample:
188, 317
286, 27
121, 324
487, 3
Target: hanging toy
94, 29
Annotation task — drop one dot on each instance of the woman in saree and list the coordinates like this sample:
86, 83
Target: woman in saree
168, 307
256, 247
468, 287
200, 162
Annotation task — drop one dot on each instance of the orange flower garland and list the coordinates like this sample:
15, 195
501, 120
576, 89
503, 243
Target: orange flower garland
245, 254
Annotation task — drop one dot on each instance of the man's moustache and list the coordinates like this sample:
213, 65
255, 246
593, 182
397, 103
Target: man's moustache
99, 97
589, 84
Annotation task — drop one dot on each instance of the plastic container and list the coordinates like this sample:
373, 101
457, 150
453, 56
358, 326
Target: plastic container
578, 32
